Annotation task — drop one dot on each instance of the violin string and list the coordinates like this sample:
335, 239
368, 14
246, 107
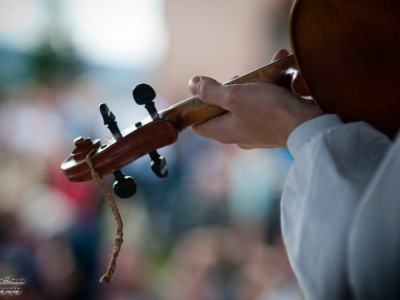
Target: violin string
114, 208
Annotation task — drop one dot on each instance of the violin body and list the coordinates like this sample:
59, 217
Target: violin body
346, 55
349, 55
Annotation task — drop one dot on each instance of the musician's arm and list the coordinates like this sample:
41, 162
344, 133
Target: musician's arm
333, 164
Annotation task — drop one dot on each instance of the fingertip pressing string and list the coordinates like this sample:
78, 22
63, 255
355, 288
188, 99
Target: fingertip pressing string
113, 205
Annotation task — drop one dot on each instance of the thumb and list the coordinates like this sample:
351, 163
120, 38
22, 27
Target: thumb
208, 90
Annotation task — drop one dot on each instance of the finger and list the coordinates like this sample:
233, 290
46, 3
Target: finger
218, 129
209, 90
281, 53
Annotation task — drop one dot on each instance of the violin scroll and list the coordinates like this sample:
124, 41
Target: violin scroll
83, 147
125, 147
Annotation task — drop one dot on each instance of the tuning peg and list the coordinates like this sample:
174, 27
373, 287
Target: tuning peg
158, 164
109, 120
124, 186
144, 94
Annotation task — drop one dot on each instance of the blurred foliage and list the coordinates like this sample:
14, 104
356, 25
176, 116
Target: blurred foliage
53, 67
53, 62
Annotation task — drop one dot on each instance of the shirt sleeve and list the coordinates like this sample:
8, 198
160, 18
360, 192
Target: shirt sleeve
333, 163
374, 240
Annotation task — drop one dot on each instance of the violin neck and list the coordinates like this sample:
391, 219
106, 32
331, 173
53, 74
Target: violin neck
193, 111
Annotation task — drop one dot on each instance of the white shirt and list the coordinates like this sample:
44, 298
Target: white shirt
324, 200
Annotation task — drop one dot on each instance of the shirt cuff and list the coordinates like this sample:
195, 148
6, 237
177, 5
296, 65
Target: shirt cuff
303, 133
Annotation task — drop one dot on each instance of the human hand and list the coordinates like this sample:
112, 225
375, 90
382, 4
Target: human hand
260, 115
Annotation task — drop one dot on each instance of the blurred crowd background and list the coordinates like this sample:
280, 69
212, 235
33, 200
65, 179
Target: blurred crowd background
210, 231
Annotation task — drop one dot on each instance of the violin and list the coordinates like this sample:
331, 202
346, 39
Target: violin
345, 57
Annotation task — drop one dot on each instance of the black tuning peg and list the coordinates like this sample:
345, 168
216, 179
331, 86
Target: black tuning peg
109, 120
124, 186
158, 164
144, 94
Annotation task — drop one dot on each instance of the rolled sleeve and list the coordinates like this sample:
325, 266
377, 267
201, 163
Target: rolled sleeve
303, 133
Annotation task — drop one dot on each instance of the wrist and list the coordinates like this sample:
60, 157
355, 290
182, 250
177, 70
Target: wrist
299, 116
309, 129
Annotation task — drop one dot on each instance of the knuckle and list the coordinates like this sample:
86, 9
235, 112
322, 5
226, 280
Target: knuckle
232, 91
232, 98
204, 90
